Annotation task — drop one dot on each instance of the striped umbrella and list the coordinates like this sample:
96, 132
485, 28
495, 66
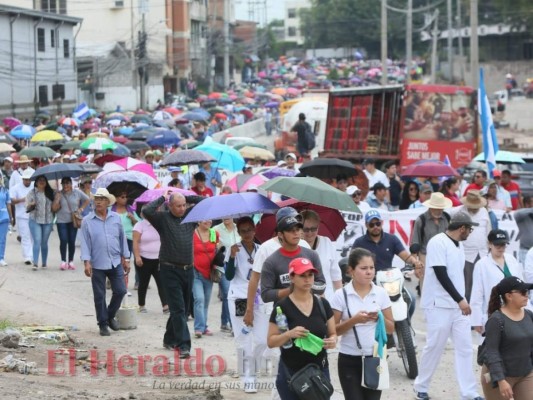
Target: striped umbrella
23, 132
98, 143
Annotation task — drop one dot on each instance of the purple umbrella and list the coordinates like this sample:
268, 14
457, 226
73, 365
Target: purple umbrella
233, 205
275, 172
152, 194
272, 104
11, 122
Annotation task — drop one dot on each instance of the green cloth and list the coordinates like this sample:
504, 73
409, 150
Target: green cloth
506, 271
311, 343
381, 334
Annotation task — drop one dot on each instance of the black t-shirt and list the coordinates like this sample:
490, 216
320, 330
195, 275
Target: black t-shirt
300, 127
294, 358
395, 192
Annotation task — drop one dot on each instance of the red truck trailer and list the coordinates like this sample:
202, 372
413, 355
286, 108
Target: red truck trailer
405, 123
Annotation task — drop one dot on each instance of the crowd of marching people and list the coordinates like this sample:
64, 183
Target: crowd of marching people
289, 291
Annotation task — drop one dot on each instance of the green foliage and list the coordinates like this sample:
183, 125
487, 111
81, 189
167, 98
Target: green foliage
517, 13
5, 323
333, 75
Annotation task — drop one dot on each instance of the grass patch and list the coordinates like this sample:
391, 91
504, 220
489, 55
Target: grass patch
5, 323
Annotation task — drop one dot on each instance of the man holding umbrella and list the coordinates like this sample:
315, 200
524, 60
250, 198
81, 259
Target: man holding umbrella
176, 264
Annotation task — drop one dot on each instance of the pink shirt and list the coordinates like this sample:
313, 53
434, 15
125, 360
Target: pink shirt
150, 242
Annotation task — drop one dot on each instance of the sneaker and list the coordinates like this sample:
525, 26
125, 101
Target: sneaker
478, 398
63, 266
207, 332
3, 263
169, 346
113, 324
136, 286
71, 265
129, 293
104, 331
198, 334
35, 267
28, 262
225, 328
44, 266
184, 354
421, 396
142, 309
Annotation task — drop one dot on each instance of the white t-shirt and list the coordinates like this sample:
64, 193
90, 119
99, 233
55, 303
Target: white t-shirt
477, 240
377, 176
488, 274
16, 176
442, 251
20, 192
528, 266
238, 286
266, 250
330, 264
376, 299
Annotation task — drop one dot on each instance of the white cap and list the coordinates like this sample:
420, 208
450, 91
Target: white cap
292, 155
73, 157
281, 163
77, 152
8, 159
350, 190
57, 155
27, 173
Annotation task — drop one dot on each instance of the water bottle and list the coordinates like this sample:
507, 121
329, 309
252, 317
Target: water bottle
246, 329
283, 326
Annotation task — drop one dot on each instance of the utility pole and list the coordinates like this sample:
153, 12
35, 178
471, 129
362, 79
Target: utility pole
226, 42
460, 38
474, 45
409, 41
142, 55
434, 34
450, 39
384, 79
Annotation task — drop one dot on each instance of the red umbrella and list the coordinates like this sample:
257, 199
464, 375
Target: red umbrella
429, 169
11, 122
247, 113
172, 110
221, 116
120, 139
331, 221
100, 161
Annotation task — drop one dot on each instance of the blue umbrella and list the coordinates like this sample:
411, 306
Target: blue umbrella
23, 132
201, 111
227, 157
121, 150
58, 171
162, 138
192, 116
233, 205
125, 130
272, 104
277, 171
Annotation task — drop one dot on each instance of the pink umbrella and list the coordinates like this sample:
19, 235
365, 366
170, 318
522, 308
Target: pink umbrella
293, 91
129, 164
242, 183
152, 194
11, 122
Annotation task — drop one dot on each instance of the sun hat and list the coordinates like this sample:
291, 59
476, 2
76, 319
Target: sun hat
287, 223
23, 159
474, 199
498, 236
149, 153
460, 219
350, 190
372, 214
511, 283
301, 265
438, 201
103, 192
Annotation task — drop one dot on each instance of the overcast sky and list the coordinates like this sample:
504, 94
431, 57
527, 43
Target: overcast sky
275, 9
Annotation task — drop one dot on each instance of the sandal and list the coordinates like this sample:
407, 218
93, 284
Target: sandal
198, 334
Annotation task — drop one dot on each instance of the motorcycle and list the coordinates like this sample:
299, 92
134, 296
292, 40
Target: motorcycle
392, 280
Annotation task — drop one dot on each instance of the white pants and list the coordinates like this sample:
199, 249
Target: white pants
26, 242
441, 324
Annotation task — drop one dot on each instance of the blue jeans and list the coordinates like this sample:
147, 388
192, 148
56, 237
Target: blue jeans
201, 291
40, 234
224, 289
177, 283
67, 238
116, 277
282, 379
4, 227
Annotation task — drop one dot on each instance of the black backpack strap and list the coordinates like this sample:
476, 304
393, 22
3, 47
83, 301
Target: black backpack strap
321, 307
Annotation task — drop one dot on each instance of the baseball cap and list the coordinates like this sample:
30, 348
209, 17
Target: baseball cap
281, 163
73, 157
8, 159
511, 283
287, 223
462, 218
425, 188
372, 214
350, 190
496, 172
149, 153
292, 155
498, 236
301, 265
27, 173
285, 212
369, 161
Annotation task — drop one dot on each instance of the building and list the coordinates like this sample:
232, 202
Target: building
293, 22
38, 69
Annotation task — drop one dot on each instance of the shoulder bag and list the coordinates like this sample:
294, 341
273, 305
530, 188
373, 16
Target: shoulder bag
375, 369
309, 383
215, 275
76, 217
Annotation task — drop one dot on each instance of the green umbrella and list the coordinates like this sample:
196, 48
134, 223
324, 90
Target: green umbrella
503, 156
311, 190
72, 145
240, 146
98, 143
37, 152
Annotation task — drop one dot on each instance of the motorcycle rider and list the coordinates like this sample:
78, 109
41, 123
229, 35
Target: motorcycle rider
385, 246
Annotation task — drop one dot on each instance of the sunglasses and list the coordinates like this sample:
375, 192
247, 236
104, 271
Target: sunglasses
522, 292
310, 229
373, 224
357, 194
247, 230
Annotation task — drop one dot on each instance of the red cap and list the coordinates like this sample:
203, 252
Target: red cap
496, 172
301, 265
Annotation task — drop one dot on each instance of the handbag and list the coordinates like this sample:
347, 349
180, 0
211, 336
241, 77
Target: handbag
240, 307
375, 374
215, 273
310, 383
76, 217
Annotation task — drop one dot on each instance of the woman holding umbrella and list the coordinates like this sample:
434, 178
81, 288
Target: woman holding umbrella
68, 202
39, 206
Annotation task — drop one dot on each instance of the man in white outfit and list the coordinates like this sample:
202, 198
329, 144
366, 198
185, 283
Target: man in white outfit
18, 195
446, 309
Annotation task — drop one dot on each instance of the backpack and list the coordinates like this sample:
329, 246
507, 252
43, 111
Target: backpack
310, 137
423, 224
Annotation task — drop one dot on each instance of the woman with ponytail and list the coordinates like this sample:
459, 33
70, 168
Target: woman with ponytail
507, 372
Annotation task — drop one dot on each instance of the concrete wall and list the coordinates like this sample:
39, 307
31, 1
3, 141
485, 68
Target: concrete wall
24, 70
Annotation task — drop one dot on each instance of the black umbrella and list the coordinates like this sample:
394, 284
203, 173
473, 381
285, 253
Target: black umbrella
121, 150
89, 168
133, 189
7, 138
187, 157
137, 146
58, 171
328, 168
141, 134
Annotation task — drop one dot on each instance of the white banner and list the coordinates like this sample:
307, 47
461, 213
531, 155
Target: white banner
400, 223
